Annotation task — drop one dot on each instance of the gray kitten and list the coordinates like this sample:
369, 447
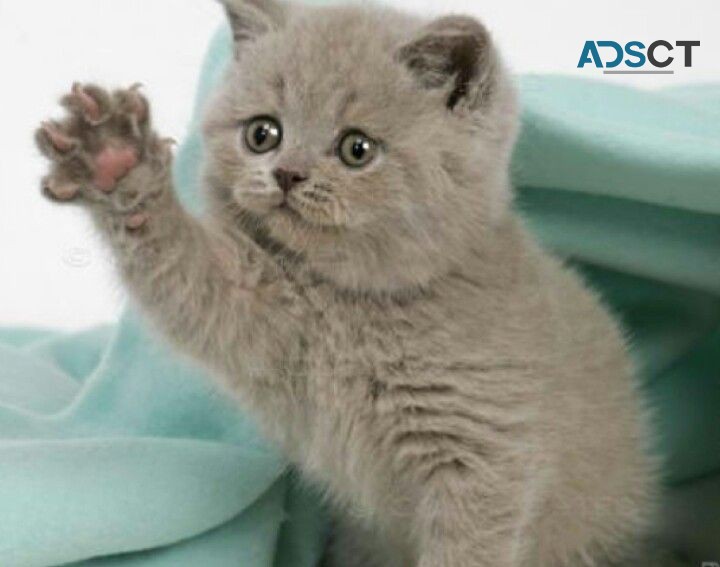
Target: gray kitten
363, 286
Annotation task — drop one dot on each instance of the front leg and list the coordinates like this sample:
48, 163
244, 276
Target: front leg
353, 544
472, 466
465, 522
221, 300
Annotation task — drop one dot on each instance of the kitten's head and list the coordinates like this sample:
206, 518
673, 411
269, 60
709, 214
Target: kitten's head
373, 144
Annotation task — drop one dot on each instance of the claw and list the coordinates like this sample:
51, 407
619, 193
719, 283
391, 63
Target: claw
60, 141
89, 105
163, 150
60, 191
139, 106
166, 144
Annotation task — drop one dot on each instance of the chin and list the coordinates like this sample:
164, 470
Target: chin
287, 225
300, 230
361, 263
355, 260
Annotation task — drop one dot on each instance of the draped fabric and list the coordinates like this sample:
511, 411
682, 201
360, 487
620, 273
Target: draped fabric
115, 451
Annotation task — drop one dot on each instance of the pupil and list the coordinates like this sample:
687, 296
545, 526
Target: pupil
261, 135
358, 149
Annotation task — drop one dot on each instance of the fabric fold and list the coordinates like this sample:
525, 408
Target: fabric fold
116, 451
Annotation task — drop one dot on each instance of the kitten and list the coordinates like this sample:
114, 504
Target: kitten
361, 283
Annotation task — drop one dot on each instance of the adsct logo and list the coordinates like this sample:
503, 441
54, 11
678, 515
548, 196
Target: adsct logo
635, 58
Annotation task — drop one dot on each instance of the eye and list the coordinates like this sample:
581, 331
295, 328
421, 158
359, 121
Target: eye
263, 134
357, 150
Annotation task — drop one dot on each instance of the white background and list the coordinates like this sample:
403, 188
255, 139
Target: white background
53, 271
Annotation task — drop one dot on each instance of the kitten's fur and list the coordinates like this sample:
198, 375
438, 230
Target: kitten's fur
465, 400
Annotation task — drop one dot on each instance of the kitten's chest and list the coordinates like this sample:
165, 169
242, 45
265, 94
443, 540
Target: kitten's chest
350, 360
355, 358
354, 347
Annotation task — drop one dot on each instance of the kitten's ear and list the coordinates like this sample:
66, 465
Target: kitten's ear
455, 53
250, 19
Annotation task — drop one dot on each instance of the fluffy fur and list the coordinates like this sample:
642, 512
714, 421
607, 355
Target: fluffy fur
461, 395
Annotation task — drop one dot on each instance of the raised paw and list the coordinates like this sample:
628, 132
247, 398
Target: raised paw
105, 152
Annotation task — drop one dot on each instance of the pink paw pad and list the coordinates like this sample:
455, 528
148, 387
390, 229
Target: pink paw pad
113, 163
136, 221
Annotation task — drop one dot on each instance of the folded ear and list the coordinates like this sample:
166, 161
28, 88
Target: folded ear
250, 19
454, 53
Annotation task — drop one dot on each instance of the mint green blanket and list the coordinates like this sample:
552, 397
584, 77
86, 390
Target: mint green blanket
114, 451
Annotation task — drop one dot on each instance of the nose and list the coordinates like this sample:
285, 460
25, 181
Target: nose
287, 179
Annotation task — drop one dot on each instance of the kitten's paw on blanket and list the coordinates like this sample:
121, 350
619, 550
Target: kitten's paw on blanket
104, 152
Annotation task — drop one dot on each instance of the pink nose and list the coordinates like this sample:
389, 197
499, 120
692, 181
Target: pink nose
287, 179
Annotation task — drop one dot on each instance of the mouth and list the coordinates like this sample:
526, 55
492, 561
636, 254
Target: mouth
287, 210
285, 207
292, 215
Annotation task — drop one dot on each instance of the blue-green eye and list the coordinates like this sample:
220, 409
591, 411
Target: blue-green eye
357, 150
263, 134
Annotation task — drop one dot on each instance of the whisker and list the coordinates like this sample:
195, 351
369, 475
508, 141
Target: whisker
313, 196
323, 187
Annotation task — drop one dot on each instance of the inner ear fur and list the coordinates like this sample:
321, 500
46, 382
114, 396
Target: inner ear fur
251, 19
456, 53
